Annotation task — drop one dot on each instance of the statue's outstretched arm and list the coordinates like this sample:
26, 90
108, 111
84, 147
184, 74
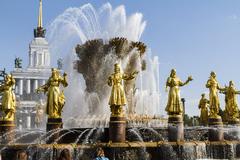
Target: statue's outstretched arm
64, 80
109, 81
130, 76
1, 88
43, 88
187, 81
237, 92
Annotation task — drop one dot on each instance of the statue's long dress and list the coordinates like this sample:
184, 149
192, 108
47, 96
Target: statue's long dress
55, 99
174, 105
204, 111
231, 104
117, 97
214, 104
8, 98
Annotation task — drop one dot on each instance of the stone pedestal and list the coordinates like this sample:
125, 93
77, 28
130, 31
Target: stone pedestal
215, 131
53, 125
7, 129
117, 129
175, 128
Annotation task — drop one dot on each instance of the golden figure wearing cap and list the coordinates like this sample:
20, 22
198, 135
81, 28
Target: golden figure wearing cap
117, 98
8, 98
174, 105
214, 103
231, 108
55, 97
203, 106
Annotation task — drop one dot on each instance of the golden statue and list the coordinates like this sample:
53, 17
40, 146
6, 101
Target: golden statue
231, 108
214, 103
203, 106
8, 98
39, 114
117, 99
55, 97
174, 105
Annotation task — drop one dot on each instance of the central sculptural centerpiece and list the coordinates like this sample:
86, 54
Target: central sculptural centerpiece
96, 59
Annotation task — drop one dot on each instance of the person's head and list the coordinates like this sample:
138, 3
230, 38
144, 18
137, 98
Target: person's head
22, 155
65, 155
213, 74
117, 68
203, 95
100, 152
173, 73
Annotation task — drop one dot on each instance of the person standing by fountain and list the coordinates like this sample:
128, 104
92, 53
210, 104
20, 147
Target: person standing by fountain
117, 101
8, 107
65, 155
231, 108
55, 99
174, 107
214, 120
203, 106
100, 155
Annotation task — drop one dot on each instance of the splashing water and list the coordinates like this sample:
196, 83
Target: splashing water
76, 26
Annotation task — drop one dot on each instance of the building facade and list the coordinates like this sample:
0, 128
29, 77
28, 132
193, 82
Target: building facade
30, 78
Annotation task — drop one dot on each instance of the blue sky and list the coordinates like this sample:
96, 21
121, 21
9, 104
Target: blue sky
195, 37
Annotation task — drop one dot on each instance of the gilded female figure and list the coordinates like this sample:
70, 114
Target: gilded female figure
174, 105
203, 106
8, 98
231, 108
55, 97
117, 98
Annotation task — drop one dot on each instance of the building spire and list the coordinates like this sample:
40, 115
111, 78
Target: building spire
40, 15
39, 31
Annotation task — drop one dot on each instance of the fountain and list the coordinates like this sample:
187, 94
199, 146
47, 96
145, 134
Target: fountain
93, 43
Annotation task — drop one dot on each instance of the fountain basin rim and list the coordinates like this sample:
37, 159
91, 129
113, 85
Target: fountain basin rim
136, 144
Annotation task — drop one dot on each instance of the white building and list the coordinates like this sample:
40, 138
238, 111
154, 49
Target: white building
30, 78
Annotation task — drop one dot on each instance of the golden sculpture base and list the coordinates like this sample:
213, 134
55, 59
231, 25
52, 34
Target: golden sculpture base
53, 125
215, 131
117, 129
175, 128
7, 129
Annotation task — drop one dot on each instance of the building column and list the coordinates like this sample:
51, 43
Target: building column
35, 84
43, 82
43, 61
21, 87
16, 86
28, 86
30, 59
28, 121
36, 63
